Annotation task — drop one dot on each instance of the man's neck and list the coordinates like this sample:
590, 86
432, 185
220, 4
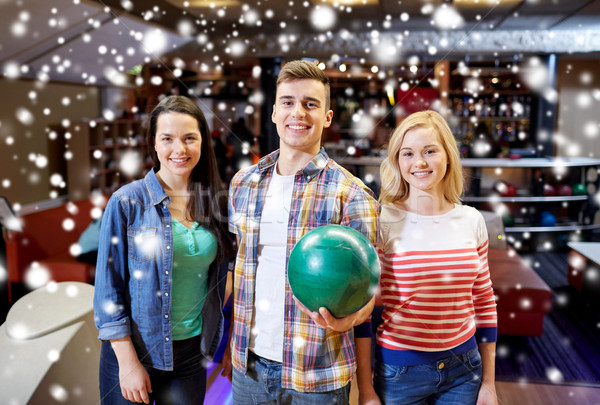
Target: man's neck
292, 160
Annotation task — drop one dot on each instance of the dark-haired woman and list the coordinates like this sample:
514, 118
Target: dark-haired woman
162, 266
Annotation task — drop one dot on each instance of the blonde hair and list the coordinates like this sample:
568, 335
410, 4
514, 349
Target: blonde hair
303, 69
393, 186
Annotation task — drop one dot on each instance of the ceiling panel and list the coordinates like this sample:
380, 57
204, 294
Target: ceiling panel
65, 40
546, 14
531, 22
533, 7
587, 18
91, 45
413, 8
32, 26
108, 51
486, 14
242, 13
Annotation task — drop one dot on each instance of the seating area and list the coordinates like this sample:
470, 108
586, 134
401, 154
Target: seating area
44, 244
584, 267
522, 297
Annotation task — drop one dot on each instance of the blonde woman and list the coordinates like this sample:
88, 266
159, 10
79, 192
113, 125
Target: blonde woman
436, 342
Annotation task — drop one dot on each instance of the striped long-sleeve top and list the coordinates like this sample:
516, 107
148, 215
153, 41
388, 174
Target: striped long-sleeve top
435, 285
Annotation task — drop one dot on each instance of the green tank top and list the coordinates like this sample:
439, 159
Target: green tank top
194, 249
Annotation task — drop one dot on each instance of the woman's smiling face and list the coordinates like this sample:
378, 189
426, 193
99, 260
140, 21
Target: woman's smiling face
423, 160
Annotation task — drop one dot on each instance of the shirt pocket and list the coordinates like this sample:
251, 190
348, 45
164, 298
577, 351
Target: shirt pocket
142, 243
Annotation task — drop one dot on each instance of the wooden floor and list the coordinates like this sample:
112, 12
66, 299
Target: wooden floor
514, 393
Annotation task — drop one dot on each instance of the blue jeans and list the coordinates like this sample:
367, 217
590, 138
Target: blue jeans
262, 385
186, 384
451, 381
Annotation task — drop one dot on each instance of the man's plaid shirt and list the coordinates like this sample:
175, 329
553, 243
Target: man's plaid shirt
314, 359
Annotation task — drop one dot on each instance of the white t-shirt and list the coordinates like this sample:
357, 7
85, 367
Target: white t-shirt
266, 337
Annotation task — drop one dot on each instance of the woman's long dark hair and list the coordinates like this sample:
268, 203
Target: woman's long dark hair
208, 198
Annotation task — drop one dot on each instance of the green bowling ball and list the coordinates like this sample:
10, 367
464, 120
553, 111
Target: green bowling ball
579, 189
335, 267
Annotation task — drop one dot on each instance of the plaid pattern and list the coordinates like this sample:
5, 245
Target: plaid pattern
314, 359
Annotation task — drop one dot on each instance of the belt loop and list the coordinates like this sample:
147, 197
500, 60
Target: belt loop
468, 355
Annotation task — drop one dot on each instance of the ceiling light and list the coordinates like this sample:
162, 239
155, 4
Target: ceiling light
350, 3
485, 3
205, 3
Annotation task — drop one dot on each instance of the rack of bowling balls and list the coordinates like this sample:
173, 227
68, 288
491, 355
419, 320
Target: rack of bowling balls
545, 214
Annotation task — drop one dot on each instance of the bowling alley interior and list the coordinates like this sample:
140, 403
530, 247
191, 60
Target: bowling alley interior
518, 82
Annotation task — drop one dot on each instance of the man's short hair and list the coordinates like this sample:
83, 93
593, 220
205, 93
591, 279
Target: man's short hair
303, 69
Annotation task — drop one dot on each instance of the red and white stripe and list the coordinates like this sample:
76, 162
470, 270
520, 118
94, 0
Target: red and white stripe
432, 298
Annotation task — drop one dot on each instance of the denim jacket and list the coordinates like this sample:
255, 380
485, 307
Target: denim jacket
133, 276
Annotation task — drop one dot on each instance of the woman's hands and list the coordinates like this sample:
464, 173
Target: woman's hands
487, 394
135, 381
226, 361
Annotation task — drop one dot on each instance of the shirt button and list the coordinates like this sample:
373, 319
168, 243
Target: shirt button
167, 294
166, 271
441, 366
168, 247
167, 339
166, 316
168, 226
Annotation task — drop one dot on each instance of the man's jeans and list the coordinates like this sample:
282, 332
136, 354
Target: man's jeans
262, 385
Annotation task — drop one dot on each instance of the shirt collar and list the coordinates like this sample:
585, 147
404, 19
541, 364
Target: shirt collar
312, 168
157, 193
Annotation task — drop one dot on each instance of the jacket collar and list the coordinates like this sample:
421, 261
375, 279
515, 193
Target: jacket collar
312, 168
157, 193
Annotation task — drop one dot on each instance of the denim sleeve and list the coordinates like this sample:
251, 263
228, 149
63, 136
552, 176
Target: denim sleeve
111, 311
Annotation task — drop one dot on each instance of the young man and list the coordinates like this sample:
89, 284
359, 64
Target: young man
280, 351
